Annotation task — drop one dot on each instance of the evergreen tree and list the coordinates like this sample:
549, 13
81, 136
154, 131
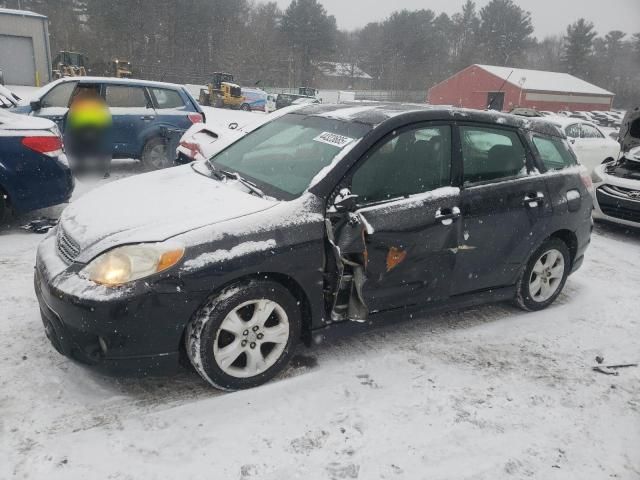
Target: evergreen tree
578, 47
504, 33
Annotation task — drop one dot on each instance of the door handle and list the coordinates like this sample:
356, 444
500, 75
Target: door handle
534, 200
447, 215
147, 117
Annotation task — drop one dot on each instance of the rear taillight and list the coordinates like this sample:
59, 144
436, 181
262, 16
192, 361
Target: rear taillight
586, 178
196, 118
47, 145
193, 148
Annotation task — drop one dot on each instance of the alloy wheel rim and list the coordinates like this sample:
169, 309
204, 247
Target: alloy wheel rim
158, 156
251, 338
546, 276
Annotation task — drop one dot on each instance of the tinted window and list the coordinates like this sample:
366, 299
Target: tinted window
123, 96
167, 98
491, 154
590, 132
554, 152
413, 162
573, 131
59, 95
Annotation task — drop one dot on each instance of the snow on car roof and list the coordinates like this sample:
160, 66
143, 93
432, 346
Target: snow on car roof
124, 81
378, 113
21, 13
540, 80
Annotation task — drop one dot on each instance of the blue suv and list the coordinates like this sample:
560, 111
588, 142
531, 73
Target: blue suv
148, 117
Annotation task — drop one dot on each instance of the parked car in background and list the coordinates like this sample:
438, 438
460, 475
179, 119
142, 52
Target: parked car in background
616, 185
146, 115
270, 242
203, 141
526, 112
8, 99
33, 169
590, 144
254, 100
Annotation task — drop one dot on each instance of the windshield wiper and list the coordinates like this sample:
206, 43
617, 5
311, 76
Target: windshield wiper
220, 174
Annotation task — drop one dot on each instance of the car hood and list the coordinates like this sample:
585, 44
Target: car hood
10, 121
153, 207
629, 136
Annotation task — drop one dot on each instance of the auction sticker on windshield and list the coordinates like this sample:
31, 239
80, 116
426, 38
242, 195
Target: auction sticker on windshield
334, 139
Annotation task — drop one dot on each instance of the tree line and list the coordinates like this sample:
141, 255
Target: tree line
187, 40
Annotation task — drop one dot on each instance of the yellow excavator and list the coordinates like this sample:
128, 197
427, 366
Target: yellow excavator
221, 92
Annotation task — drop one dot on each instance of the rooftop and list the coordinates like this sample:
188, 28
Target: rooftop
336, 69
539, 80
20, 13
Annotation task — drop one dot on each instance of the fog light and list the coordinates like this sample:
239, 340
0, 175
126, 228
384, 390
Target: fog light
103, 344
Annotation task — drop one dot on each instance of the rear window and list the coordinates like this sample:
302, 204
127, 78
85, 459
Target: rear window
554, 152
166, 98
126, 97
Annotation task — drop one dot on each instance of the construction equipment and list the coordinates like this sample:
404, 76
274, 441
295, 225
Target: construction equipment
222, 92
119, 69
70, 64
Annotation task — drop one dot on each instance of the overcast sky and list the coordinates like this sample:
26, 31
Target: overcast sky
550, 17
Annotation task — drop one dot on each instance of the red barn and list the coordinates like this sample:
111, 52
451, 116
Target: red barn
504, 88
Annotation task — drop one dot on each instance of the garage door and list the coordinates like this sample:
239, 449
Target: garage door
17, 60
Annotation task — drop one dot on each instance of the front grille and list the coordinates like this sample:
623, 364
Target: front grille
619, 202
67, 247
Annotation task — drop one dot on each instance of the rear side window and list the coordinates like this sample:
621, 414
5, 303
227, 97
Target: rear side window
166, 98
491, 154
554, 152
590, 132
59, 95
124, 96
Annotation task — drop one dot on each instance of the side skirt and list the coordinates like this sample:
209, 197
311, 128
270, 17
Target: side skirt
391, 317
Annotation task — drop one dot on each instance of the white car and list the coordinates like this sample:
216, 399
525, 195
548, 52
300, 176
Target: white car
590, 144
616, 185
203, 140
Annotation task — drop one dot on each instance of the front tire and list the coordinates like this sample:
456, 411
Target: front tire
155, 154
544, 276
244, 336
245, 107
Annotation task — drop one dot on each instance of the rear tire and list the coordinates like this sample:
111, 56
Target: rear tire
244, 336
544, 276
245, 107
154, 154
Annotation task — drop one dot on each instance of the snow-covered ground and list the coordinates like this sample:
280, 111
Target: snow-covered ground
485, 393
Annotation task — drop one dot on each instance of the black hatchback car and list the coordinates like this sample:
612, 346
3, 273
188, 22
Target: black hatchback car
327, 217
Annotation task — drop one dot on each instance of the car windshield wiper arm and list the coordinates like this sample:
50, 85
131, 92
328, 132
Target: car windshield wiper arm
236, 176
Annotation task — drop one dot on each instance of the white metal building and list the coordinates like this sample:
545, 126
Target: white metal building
25, 55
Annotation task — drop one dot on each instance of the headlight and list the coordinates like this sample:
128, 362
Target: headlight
132, 262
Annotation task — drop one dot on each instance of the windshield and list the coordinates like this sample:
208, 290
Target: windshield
285, 155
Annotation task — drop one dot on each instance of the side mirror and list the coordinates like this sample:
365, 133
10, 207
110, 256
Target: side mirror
35, 105
345, 201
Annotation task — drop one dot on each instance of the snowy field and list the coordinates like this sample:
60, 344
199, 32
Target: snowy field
485, 393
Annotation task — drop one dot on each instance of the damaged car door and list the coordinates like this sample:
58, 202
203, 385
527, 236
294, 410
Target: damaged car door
404, 226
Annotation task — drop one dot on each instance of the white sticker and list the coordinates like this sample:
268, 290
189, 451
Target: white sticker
334, 139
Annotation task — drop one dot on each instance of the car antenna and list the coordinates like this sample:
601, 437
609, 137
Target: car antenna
500, 90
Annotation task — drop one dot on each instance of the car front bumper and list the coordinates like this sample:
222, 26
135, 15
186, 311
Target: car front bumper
137, 332
611, 203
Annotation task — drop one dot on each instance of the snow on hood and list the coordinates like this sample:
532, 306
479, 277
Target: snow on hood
152, 208
629, 135
12, 121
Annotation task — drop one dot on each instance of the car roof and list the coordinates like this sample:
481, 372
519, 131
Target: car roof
379, 113
120, 81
